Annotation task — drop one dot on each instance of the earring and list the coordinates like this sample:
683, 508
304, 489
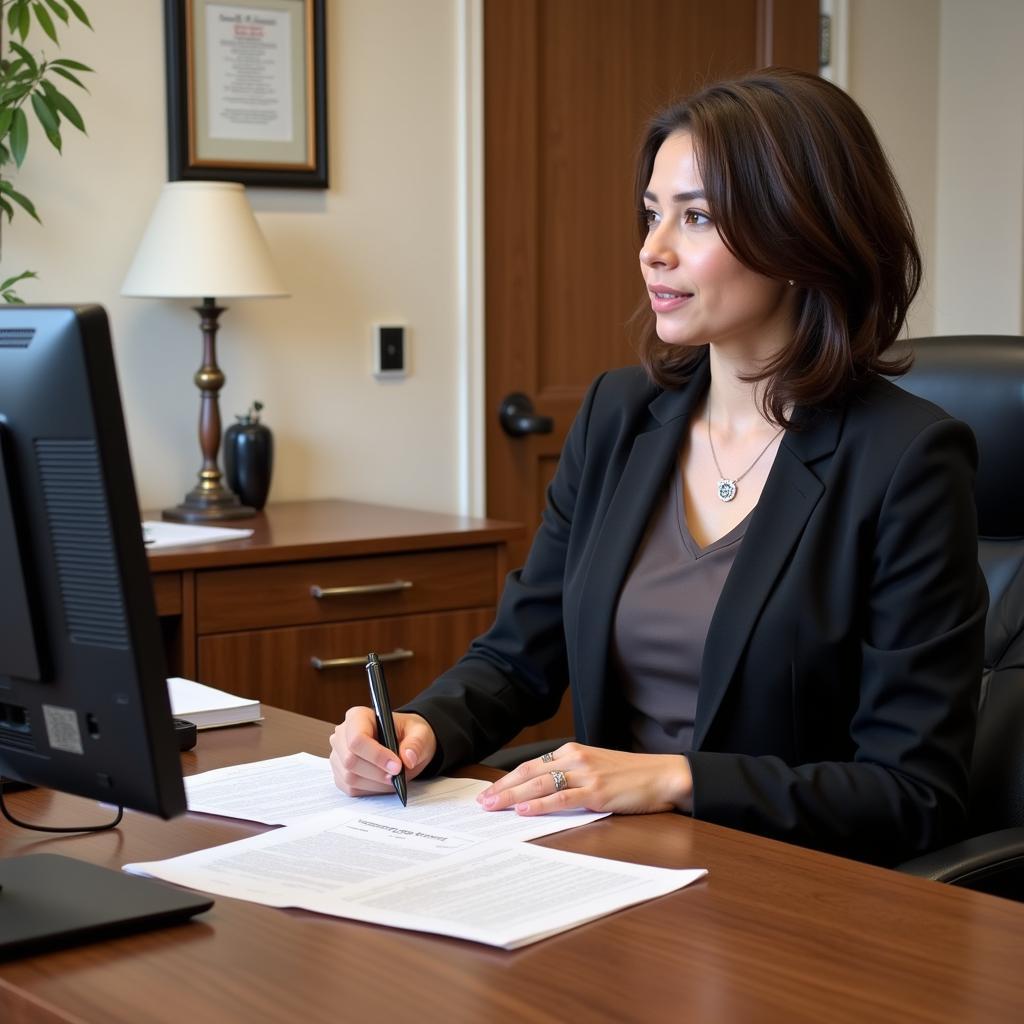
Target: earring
791, 282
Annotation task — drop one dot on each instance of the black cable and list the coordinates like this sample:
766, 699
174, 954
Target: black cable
47, 828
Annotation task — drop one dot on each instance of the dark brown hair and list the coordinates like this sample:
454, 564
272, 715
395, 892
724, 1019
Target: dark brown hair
799, 188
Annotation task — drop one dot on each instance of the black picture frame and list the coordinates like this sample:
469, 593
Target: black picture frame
301, 162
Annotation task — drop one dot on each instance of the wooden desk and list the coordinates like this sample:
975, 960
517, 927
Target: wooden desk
774, 933
242, 615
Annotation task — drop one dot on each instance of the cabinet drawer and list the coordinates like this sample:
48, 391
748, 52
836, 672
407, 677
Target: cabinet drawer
276, 667
370, 587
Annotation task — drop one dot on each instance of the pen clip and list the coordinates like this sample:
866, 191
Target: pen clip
381, 702
373, 673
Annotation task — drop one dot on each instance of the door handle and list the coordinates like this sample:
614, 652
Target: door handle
517, 417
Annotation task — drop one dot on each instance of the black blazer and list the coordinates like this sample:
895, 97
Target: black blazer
839, 684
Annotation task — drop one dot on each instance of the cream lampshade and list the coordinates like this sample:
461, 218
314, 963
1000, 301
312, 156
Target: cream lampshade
202, 240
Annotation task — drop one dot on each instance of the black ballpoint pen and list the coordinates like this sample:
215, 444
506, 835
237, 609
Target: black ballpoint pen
385, 720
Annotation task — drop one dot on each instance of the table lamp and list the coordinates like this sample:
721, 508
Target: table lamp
203, 240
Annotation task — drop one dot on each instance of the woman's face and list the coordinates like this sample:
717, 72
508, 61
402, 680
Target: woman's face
699, 291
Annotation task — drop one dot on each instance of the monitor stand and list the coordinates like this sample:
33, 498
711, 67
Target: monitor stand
48, 902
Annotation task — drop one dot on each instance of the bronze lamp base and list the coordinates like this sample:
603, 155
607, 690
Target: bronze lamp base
208, 507
209, 501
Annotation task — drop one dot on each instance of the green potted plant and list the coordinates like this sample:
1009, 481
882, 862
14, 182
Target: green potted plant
31, 81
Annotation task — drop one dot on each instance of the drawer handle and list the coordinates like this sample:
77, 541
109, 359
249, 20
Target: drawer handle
359, 661
365, 588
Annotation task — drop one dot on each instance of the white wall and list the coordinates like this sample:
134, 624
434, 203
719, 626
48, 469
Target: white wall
893, 73
980, 209
943, 82
381, 244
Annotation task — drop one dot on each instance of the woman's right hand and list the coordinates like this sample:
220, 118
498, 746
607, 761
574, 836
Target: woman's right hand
364, 767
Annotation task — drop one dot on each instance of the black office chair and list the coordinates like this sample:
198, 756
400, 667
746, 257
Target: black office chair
980, 380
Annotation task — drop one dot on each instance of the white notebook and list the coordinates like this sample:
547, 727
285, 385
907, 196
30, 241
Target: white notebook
209, 708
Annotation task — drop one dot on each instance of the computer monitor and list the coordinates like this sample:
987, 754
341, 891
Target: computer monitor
84, 706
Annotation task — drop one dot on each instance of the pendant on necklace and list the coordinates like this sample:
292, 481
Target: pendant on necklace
726, 489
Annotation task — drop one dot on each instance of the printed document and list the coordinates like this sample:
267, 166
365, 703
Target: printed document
408, 875
442, 864
286, 790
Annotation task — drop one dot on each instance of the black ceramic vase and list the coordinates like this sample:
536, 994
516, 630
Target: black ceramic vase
249, 458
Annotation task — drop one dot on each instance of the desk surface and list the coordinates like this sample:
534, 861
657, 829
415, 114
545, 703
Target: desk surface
774, 933
288, 531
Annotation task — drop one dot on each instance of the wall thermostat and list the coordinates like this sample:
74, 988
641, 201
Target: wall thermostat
388, 350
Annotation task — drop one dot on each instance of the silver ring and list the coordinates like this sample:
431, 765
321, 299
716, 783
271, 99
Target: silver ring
560, 781
548, 757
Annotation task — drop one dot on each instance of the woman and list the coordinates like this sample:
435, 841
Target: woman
757, 565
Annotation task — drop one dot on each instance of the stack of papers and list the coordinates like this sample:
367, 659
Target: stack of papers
208, 708
442, 864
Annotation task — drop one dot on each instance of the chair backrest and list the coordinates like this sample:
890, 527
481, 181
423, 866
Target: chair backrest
980, 379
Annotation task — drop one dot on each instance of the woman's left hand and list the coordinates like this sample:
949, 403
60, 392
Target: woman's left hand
595, 779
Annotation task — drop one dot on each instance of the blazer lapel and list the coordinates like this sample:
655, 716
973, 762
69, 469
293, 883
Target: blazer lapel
650, 459
790, 494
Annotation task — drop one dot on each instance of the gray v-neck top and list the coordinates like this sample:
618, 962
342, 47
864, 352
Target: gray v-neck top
662, 620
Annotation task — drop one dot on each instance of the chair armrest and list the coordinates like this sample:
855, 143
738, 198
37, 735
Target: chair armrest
990, 862
511, 757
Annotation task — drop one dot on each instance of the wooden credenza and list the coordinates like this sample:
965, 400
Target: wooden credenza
288, 615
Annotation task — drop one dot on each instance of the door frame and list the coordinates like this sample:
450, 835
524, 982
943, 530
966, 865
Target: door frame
471, 343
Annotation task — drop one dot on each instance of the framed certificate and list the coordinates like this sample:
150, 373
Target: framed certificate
246, 91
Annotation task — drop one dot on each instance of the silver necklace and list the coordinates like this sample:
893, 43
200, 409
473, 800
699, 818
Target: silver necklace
726, 487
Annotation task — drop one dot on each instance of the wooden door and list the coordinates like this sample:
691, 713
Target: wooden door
568, 86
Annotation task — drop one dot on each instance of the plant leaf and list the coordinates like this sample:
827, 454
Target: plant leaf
16, 71
76, 10
45, 21
70, 77
14, 17
48, 117
5, 120
61, 103
10, 96
5, 207
24, 21
4, 285
59, 9
30, 61
64, 62
11, 73
25, 203
19, 135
